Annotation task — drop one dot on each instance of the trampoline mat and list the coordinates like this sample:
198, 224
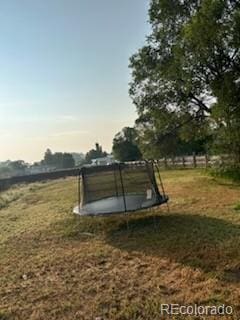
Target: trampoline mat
116, 205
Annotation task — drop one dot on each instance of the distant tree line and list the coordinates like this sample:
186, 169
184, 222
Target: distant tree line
17, 167
51, 161
65, 160
58, 160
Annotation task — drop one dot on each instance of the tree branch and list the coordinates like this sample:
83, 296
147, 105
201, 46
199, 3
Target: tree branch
200, 103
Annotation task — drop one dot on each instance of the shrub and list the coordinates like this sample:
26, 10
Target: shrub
231, 172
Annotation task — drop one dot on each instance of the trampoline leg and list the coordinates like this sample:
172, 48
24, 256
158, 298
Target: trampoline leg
168, 208
154, 219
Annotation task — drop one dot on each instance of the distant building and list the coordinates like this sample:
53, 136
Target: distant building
103, 161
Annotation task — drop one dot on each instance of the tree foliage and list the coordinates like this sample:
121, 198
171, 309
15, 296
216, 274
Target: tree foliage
13, 168
186, 78
58, 160
125, 146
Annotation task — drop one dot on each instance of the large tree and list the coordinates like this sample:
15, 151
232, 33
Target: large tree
189, 69
125, 146
161, 133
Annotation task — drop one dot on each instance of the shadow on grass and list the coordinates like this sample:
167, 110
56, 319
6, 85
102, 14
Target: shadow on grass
194, 240
198, 241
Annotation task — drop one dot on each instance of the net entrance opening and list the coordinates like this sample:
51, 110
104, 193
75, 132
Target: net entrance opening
118, 188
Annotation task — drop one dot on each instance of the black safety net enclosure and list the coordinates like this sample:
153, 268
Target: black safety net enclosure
119, 187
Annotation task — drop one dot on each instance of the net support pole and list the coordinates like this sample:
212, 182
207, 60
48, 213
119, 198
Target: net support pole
115, 181
122, 186
160, 179
161, 183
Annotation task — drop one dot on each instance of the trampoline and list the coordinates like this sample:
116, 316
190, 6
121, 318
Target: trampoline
118, 188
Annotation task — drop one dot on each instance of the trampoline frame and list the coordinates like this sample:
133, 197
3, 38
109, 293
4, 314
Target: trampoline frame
161, 198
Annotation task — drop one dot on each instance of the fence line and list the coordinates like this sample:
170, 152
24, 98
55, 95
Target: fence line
193, 161
204, 161
5, 183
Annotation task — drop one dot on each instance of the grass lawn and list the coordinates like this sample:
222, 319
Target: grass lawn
54, 265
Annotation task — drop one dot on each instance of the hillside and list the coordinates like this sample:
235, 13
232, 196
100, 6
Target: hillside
55, 265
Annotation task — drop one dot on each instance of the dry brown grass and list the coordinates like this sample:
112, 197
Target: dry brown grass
58, 266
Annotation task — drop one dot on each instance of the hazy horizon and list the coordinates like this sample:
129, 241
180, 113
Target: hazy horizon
64, 74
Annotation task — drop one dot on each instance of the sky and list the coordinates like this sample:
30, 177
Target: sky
64, 73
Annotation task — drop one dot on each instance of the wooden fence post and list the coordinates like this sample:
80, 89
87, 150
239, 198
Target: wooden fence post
206, 160
165, 162
183, 162
194, 160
